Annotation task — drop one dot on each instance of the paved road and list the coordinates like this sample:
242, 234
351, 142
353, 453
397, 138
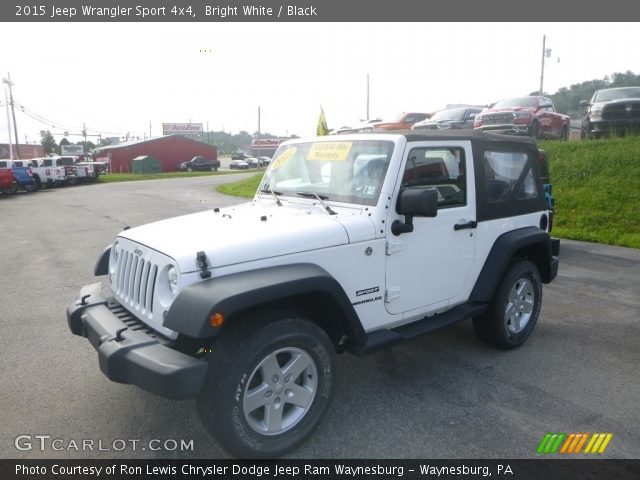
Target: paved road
445, 395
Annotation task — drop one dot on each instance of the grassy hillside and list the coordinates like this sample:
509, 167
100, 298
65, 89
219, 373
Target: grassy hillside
596, 185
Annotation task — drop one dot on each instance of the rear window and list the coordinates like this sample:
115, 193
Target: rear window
506, 173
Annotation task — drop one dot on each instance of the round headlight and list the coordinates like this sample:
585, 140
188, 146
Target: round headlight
116, 250
172, 276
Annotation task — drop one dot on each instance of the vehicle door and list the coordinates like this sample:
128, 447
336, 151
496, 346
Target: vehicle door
429, 266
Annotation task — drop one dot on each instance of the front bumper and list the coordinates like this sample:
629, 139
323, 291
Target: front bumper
555, 253
599, 126
508, 128
129, 352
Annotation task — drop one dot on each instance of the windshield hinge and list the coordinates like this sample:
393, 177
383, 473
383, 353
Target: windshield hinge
203, 265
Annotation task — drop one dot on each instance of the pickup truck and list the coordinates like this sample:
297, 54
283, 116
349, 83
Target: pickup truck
70, 173
7, 183
23, 176
349, 245
44, 176
533, 115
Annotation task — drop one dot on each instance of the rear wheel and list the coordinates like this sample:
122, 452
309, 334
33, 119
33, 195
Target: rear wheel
30, 187
512, 314
268, 386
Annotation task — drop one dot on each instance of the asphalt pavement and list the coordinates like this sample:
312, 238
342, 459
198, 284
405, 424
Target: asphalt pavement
445, 395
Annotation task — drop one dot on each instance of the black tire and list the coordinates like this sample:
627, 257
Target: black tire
38, 182
564, 136
13, 189
239, 364
72, 180
505, 331
30, 187
535, 131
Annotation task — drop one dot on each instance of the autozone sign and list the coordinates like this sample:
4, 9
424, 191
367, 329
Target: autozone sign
173, 128
72, 149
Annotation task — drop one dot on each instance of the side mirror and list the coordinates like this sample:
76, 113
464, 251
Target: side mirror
412, 202
471, 116
584, 103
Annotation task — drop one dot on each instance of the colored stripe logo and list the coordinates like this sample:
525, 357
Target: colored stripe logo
572, 443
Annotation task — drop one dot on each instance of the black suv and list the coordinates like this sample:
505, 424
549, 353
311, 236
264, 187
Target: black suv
200, 163
612, 110
239, 155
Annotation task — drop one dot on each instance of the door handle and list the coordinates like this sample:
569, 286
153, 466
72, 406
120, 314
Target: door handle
462, 226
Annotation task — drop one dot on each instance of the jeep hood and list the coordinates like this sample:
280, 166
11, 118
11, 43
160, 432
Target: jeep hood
250, 232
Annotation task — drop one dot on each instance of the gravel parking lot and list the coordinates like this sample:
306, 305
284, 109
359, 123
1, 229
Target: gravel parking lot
446, 395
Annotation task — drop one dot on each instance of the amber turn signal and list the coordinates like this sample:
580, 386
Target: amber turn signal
216, 319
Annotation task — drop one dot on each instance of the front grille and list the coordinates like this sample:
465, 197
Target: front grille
497, 118
133, 323
621, 111
135, 281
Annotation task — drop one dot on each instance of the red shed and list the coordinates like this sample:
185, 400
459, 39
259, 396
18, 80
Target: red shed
171, 150
26, 151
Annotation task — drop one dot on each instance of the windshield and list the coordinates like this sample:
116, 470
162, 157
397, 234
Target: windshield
516, 102
350, 172
615, 94
453, 114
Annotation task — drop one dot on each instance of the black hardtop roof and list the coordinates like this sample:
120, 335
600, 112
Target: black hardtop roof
460, 134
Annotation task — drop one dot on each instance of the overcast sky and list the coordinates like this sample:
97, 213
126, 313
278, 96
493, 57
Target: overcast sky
117, 78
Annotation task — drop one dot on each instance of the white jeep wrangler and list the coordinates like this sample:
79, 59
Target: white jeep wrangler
352, 243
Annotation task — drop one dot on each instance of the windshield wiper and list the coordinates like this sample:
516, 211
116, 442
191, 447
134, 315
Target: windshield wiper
275, 195
320, 199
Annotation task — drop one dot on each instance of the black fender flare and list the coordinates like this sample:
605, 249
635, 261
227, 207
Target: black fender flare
102, 265
497, 262
190, 312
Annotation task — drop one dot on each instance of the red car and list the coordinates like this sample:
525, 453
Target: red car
533, 115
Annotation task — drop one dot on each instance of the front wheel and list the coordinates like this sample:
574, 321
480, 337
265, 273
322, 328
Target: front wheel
512, 314
266, 391
564, 136
30, 187
534, 130
214, 169
11, 190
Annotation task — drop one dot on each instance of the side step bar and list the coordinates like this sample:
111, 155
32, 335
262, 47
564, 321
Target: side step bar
388, 337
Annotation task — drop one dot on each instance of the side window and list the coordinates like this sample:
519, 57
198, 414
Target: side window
3, 165
506, 171
440, 168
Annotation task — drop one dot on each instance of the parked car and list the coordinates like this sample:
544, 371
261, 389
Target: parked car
450, 118
252, 162
23, 176
532, 115
611, 110
350, 245
264, 161
238, 164
404, 121
7, 184
200, 163
362, 127
239, 155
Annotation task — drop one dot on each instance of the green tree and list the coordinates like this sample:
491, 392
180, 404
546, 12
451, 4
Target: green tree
49, 143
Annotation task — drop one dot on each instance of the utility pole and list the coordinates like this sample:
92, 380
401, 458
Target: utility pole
149, 128
6, 101
367, 97
13, 113
546, 52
